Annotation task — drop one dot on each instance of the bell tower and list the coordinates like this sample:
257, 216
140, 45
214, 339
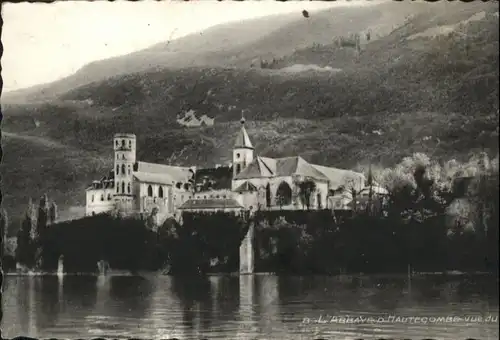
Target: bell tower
242, 151
125, 153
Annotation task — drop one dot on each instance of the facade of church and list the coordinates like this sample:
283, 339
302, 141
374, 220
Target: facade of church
255, 183
135, 187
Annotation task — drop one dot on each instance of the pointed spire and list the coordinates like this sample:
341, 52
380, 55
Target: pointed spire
243, 141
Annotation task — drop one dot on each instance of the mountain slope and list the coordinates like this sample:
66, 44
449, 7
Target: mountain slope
404, 93
237, 44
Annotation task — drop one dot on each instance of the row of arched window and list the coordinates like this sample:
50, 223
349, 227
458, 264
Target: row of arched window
102, 198
160, 191
124, 172
123, 143
122, 187
283, 195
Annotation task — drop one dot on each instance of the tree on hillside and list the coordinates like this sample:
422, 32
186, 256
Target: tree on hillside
420, 187
25, 238
192, 181
43, 216
369, 184
151, 220
42, 221
306, 190
4, 226
352, 190
53, 213
484, 189
268, 195
30, 216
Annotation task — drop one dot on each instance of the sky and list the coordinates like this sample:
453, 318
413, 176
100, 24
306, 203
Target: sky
45, 42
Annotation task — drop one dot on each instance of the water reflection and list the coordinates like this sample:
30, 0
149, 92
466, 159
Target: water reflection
194, 294
25, 304
130, 295
49, 287
79, 292
246, 307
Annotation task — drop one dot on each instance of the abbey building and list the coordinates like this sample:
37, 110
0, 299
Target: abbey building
252, 183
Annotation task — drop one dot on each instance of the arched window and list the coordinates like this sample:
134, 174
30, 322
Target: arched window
123, 187
128, 188
123, 142
160, 192
117, 169
284, 194
123, 169
150, 191
117, 156
117, 187
130, 144
102, 197
128, 169
238, 168
117, 143
123, 156
109, 197
92, 198
237, 155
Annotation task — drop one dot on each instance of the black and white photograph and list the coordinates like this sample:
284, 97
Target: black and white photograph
255, 170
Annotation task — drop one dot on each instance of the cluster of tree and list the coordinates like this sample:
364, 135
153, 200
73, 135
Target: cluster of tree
426, 222
33, 232
207, 242
435, 217
4, 226
203, 243
212, 178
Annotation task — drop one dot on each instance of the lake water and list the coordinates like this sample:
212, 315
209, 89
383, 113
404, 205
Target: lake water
250, 307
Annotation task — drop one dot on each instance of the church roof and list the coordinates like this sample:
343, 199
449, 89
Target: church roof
339, 177
105, 182
287, 166
148, 177
246, 187
242, 140
211, 203
177, 173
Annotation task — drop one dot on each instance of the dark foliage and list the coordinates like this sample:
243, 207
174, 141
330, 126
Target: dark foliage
214, 178
125, 244
209, 242
313, 243
203, 243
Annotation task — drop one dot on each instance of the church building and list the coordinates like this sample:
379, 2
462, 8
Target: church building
135, 187
264, 183
255, 183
